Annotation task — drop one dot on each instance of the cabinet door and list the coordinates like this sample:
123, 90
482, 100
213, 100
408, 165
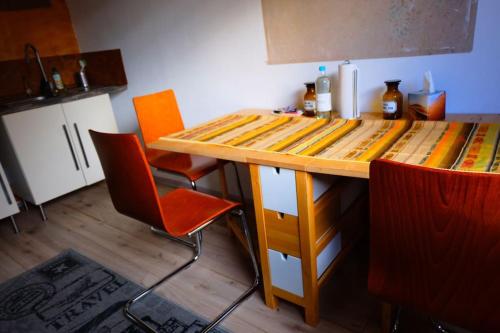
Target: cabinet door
45, 152
93, 113
8, 205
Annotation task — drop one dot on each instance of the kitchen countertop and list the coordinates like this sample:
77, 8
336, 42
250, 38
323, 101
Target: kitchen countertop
70, 95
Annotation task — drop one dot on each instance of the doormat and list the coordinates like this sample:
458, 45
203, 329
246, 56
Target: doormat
71, 293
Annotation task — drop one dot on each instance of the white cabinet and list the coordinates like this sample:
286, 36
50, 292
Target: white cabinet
45, 155
48, 151
8, 204
91, 113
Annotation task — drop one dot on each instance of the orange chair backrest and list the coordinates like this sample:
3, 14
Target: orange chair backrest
128, 177
435, 242
158, 115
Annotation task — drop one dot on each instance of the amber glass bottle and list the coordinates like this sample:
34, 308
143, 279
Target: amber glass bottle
310, 100
392, 100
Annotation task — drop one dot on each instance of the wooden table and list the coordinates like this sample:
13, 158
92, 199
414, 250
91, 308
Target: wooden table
307, 221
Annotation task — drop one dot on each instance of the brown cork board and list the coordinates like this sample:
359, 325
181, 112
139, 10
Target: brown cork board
322, 30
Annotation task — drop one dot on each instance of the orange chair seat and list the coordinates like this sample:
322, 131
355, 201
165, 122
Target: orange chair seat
192, 167
187, 210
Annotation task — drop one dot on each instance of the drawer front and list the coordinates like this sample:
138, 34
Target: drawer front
326, 212
328, 254
282, 231
286, 272
278, 189
330, 207
321, 184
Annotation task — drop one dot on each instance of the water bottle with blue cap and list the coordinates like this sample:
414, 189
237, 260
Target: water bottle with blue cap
323, 95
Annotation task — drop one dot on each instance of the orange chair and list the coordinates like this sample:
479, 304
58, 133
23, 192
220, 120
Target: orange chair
158, 115
181, 212
435, 243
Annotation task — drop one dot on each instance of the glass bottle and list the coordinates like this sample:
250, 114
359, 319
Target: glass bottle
57, 79
323, 95
392, 100
310, 100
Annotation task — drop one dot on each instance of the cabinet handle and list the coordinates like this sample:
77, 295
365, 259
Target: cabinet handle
71, 147
4, 188
81, 145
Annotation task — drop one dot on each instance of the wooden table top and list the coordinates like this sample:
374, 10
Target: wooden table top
341, 146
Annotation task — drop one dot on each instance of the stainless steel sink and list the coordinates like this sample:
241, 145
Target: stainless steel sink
30, 100
24, 101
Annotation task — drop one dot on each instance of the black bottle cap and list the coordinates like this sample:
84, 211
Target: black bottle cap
392, 82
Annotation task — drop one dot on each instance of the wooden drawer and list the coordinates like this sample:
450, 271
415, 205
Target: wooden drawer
279, 188
282, 231
286, 272
334, 204
328, 254
286, 269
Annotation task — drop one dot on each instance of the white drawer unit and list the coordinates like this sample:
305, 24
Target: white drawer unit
286, 270
8, 204
48, 152
279, 189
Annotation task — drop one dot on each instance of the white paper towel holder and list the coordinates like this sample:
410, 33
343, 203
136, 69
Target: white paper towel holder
349, 109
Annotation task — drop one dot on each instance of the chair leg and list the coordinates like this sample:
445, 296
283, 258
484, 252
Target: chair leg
134, 318
250, 290
438, 327
168, 236
14, 225
395, 326
42, 213
197, 252
390, 318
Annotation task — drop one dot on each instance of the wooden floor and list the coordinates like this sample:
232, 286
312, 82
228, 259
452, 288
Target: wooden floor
87, 222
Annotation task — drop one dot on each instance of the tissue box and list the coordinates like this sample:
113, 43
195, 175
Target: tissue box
427, 106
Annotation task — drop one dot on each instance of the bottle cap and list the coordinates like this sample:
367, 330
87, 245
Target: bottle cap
392, 82
322, 68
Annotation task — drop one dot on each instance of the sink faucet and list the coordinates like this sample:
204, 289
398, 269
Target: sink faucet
45, 88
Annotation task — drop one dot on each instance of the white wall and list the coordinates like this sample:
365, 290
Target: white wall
213, 54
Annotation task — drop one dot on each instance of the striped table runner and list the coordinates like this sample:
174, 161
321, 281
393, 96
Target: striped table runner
448, 145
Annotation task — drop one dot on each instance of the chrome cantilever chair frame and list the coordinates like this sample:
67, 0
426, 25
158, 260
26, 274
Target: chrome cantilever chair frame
196, 246
238, 182
14, 224
438, 327
193, 186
